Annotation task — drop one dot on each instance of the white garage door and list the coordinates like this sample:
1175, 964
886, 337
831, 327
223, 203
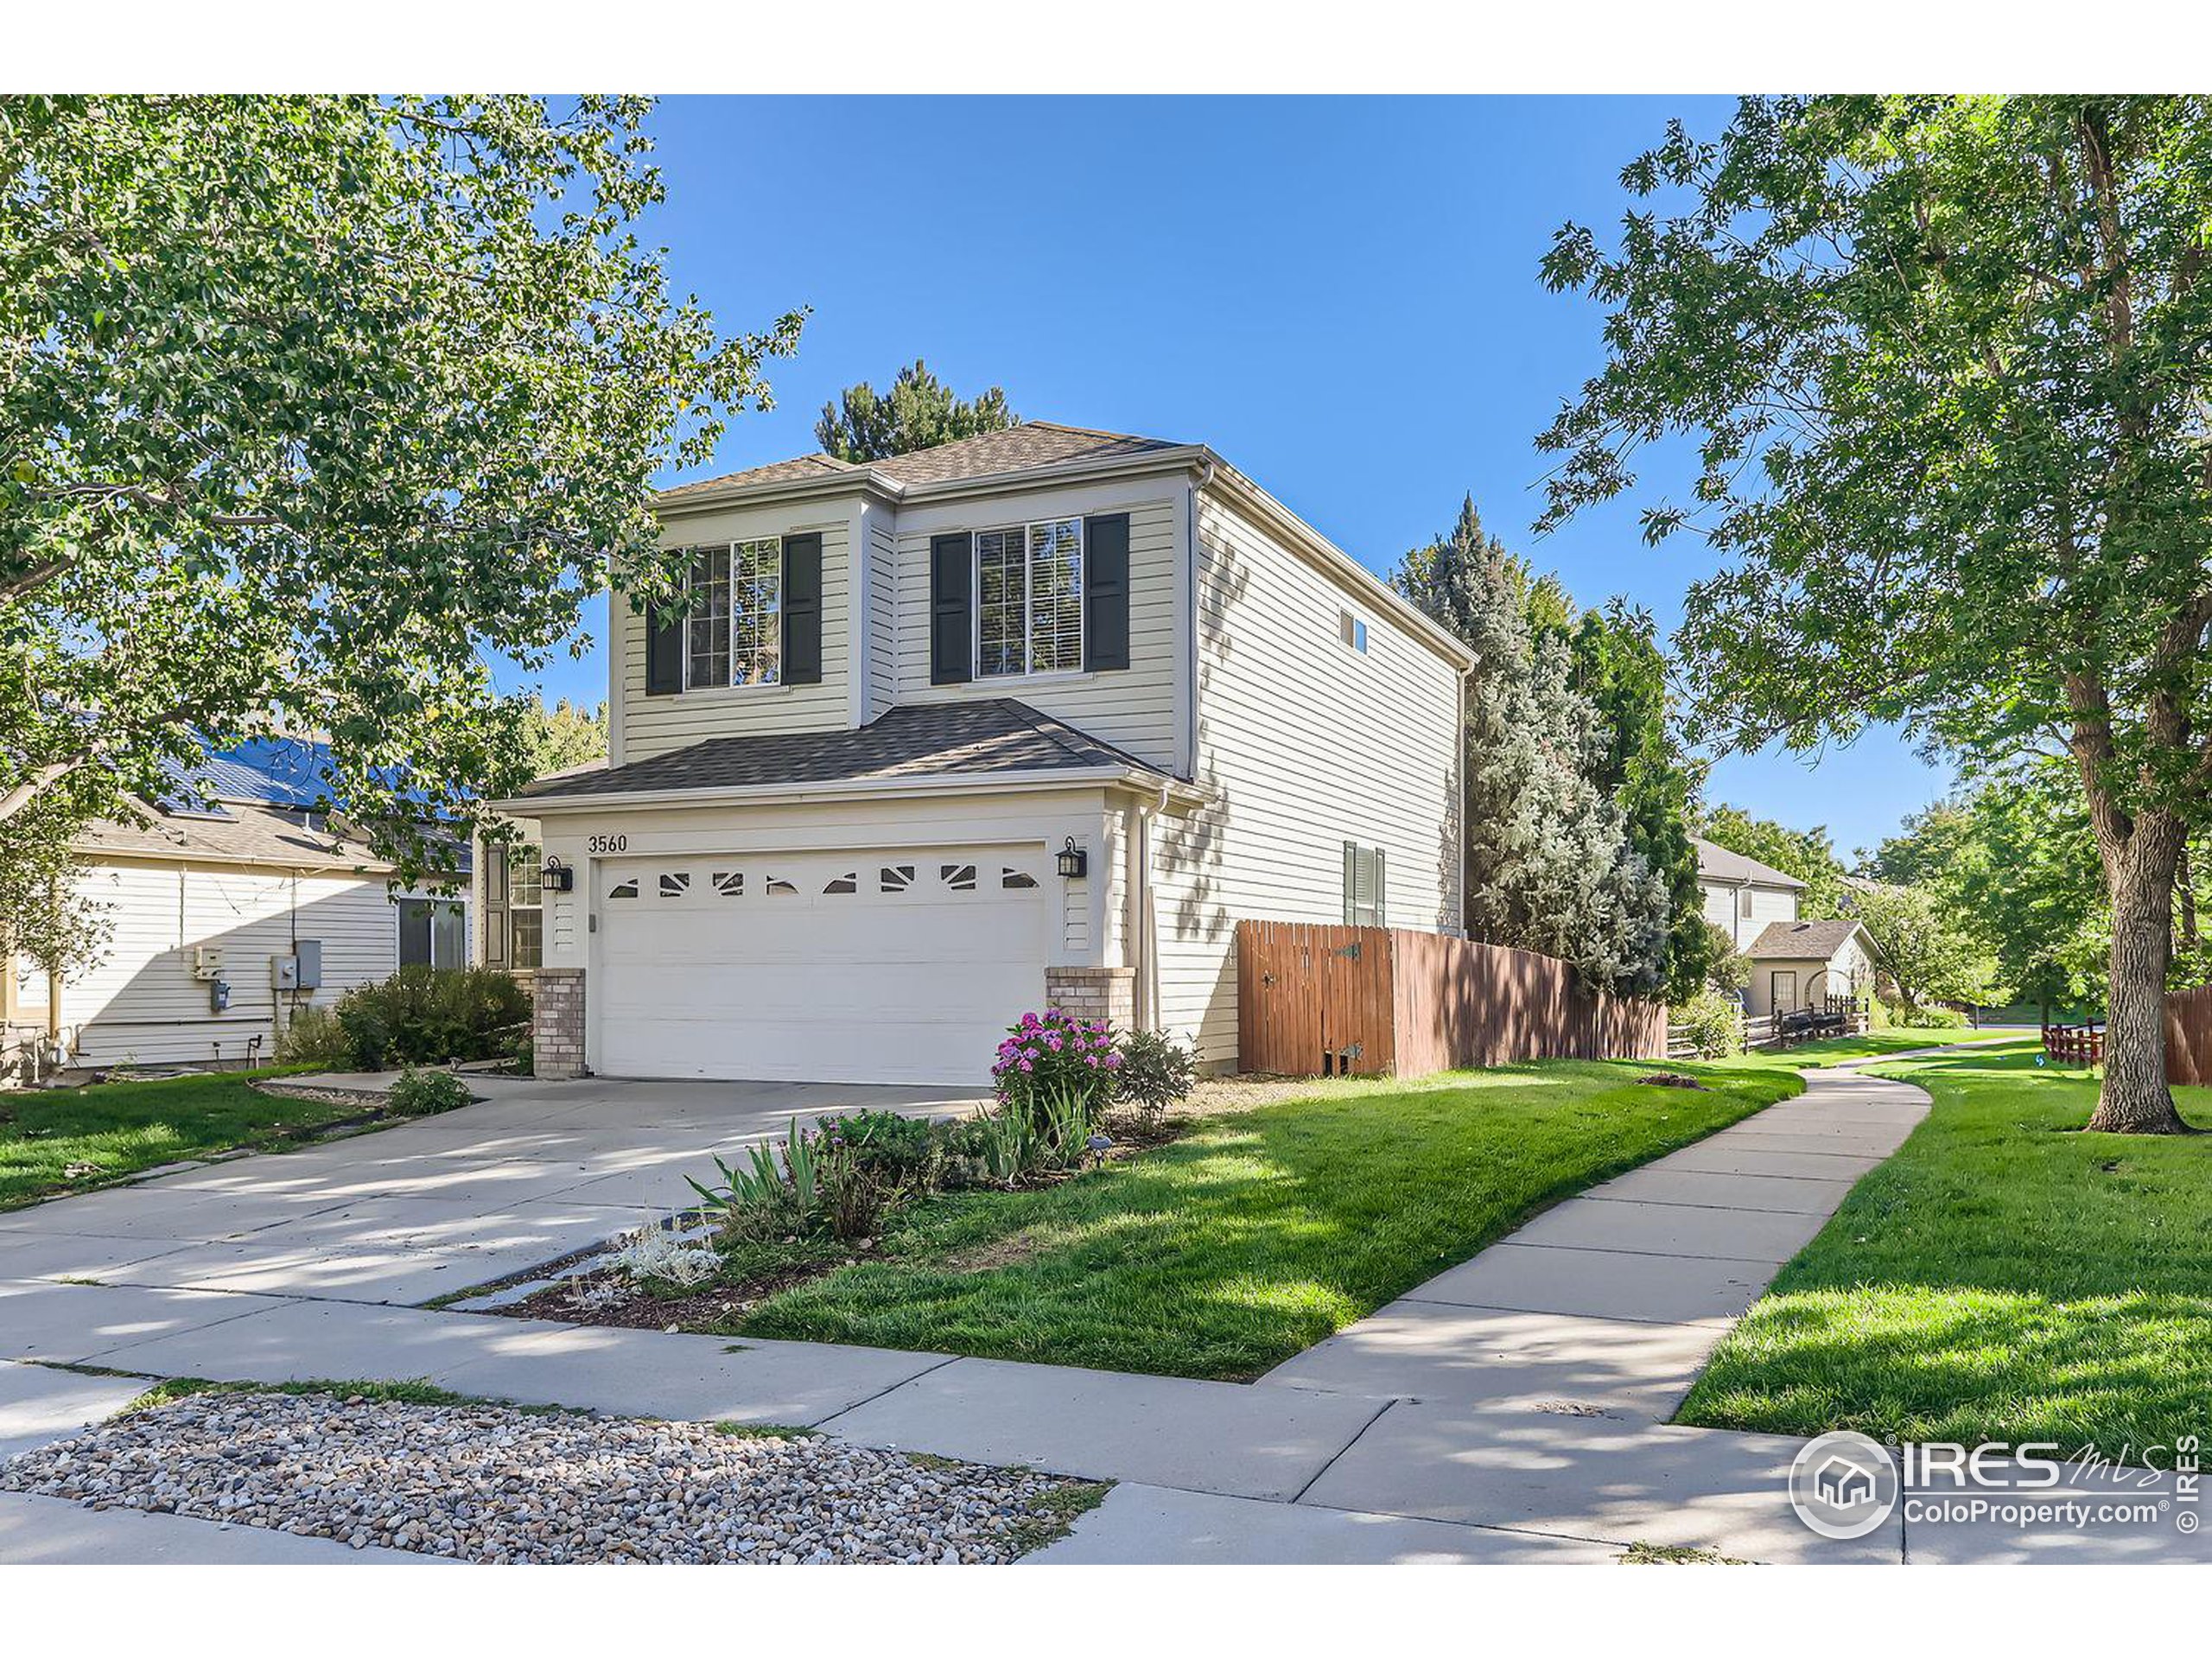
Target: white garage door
886, 966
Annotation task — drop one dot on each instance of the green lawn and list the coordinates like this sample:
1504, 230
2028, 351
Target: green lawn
122, 1127
2002, 1277
1261, 1231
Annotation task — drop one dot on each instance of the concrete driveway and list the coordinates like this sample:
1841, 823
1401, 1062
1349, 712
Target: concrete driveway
533, 1172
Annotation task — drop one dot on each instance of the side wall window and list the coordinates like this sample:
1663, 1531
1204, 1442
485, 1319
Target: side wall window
1364, 881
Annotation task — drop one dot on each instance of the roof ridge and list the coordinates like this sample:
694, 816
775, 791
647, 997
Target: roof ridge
1050, 727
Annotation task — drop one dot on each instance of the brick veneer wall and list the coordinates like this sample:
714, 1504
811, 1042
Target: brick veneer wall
1108, 993
557, 1030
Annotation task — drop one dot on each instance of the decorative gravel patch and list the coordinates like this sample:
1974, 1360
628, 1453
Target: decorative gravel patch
486, 1483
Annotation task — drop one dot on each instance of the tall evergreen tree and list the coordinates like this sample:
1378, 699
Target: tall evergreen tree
919, 412
1549, 865
1619, 667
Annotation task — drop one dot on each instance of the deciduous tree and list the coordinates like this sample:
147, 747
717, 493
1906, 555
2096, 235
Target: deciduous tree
308, 405
1945, 364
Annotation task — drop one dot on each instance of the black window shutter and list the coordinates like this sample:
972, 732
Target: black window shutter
1106, 591
951, 632
664, 657
802, 608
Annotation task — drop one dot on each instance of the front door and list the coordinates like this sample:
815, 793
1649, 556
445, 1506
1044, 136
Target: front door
1785, 990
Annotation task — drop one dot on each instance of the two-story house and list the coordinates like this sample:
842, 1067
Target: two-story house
1796, 962
1031, 718
1742, 895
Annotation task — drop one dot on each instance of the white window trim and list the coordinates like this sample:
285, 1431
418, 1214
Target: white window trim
750, 686
1028, 610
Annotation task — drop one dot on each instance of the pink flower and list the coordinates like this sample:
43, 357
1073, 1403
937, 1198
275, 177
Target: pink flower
1027, 1067
1113, 1062
1053, 1042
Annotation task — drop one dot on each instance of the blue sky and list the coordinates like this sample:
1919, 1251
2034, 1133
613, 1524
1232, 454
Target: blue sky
1339, 295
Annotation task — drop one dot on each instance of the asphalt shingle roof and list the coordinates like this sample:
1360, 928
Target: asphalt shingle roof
245, 834
1017, 449
1808, 941
966, 739
1717, 863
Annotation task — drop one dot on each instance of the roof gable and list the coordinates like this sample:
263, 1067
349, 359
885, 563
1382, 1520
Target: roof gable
1718, 863
1804, 940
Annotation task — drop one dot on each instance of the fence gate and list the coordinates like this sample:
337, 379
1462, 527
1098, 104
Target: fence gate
1317, 999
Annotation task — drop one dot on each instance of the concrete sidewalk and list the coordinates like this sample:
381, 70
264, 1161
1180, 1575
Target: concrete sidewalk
1511, 1409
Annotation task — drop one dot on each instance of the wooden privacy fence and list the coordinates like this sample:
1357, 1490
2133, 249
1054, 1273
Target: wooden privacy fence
1314, 998
2189, 1035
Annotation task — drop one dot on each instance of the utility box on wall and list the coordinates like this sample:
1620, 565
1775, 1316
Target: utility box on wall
301, 972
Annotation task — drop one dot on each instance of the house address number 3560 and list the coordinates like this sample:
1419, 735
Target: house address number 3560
606, 844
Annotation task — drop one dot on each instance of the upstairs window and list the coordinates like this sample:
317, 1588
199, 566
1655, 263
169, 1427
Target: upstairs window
1353, 632
732, 637
1029, 599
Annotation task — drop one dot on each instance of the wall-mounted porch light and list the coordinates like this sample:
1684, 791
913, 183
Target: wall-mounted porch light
1072, 860
557, 877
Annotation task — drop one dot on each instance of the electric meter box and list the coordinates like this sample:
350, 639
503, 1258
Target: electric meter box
284, 973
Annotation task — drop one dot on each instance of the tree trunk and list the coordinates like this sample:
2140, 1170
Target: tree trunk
2135, 1099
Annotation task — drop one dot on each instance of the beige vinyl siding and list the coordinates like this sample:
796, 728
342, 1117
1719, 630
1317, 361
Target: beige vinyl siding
1304, 744
882, 540
141, 1003
1134, 707
650, 726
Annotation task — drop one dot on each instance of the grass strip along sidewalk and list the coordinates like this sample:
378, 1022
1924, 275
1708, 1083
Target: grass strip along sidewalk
105, 1131
2003, 1277
1261, 1231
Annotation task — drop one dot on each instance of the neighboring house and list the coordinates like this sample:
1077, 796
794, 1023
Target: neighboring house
1795, 963
1802, 964
211, 909
1742, 895
1034, 717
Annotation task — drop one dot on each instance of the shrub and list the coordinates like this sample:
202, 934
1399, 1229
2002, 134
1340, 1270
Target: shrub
655, 1252
313, 1036
1056, 1053
1713, 1024
1155, 1073
1912, 1017
434, 1014
418, 1094
903, 1153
